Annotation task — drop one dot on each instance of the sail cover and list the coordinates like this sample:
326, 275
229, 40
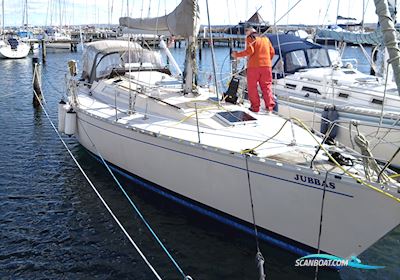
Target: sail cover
371, 38
183, 21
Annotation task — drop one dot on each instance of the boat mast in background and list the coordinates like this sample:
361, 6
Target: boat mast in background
25, 14
389, 37
2, 20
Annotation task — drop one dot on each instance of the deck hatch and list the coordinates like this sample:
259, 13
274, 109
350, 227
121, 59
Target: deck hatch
235, 117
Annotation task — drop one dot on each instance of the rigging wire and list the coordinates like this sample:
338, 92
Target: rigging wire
326, 13
212, 53
337, 11
148, 13
112, 11
134, 206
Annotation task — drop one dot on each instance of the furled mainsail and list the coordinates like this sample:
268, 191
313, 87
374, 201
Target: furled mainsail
387, 21
179, 22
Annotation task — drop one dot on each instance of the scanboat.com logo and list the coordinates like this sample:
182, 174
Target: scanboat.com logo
333, 261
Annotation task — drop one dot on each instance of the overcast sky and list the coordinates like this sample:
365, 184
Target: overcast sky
45, 12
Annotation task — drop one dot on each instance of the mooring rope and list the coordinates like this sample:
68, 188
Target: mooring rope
96, 191
320, 221
259, 257
137, 209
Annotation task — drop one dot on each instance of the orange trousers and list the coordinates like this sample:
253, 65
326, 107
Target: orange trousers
262, 76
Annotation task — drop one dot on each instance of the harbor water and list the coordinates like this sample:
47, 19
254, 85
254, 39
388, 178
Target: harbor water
53, 226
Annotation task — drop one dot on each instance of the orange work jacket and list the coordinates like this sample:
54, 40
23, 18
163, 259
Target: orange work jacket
259, 50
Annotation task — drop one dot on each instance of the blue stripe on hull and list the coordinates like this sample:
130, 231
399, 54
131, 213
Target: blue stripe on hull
207, 211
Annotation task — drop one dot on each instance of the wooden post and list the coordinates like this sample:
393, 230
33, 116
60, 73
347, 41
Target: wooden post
43, 51
37, 80
200, 49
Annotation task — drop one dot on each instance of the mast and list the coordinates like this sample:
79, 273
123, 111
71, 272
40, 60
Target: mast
363, 17
26, 12
108, 14
2, 19
389, 37
337, 11
59, 9
190, 70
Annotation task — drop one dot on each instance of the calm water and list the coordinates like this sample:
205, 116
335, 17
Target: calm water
52, 225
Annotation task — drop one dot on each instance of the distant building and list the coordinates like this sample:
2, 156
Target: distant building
255, 20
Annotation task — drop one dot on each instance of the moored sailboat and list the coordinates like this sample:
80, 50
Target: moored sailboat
179, 141
11, 47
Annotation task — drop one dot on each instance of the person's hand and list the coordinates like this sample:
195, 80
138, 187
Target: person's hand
234, 54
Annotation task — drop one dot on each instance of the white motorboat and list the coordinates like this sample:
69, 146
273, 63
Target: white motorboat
58, 39
179, 141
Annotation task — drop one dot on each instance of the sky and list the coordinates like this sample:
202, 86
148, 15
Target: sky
82, 12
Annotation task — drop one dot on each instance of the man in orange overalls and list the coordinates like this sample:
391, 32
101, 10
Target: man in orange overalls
259, 69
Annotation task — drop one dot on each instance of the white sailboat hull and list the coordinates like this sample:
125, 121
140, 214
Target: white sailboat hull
383, 141
356, 96
20, 52
287, 199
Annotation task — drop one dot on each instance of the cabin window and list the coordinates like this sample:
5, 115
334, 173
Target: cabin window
335, 57
277, 67
318, 58
295, 60
311, 89
377, 101
107, 63
290, 86
140, 57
